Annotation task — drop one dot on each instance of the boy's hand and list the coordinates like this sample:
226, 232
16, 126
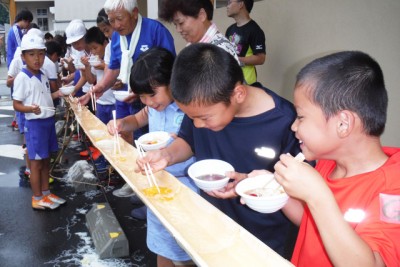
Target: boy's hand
100, 66
85, 61
117, 85
59, 93
36, 109
229, 190
299, 179
112, 130
84, 99
98, 90
156, 159
67, 80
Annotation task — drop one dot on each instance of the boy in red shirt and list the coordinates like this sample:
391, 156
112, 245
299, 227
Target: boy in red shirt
348, 206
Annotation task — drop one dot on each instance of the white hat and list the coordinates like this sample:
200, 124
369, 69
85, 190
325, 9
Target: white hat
32, 41
75, 31
35, 31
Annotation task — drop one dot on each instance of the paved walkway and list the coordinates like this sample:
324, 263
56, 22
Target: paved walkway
59, 237
5, 92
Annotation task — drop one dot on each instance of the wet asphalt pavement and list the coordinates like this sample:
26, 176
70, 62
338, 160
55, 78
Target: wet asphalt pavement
60, 237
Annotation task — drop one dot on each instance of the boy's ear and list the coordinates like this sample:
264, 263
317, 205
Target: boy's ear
239, 93
345, 123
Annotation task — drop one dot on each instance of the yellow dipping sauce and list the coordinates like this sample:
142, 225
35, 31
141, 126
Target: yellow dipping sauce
153, 192
121, 158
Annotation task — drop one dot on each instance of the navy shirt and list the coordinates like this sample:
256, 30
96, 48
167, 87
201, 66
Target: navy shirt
235, 144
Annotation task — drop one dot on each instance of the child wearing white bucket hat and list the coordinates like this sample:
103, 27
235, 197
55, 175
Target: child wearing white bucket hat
33, 97
15, 68
32, 41
75, 33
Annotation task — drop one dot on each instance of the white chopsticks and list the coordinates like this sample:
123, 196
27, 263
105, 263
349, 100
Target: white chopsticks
48, 108
116, 136
53, 109
147, 168
93, 99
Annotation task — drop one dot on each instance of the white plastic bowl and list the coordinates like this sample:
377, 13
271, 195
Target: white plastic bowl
266, 203
121, 95
209, 167
94, 62
67, 90
154, 140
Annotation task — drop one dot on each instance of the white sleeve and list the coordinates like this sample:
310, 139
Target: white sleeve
15, 67
17, 53
107, 53
20, 83
49, 69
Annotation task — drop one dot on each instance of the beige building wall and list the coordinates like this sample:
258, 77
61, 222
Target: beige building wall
298, 31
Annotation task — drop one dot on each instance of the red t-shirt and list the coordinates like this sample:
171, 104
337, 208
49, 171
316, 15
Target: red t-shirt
367, 193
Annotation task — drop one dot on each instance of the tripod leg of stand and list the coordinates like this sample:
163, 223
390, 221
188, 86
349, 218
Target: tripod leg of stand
96, 173
65, 141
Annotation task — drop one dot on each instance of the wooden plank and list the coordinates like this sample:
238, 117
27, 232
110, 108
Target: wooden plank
209, 236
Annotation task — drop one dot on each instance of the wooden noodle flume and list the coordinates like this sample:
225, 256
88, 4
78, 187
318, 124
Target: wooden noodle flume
209, 236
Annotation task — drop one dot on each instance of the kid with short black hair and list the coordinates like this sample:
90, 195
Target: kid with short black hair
33, 97
349, 204
50, 66
97, 42
227, 119
149, 79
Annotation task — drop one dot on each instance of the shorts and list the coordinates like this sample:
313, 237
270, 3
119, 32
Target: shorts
122, 109
41, 139
21, 121
104, 112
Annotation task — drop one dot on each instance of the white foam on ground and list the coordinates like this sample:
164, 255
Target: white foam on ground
85, 255
67, 228
82, 211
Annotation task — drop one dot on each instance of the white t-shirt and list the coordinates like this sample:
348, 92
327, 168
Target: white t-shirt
107, 53
49, 69
76, 55
31, 89
17, 53
108, 97
15, 67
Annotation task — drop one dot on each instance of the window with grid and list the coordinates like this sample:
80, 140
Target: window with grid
42, 19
